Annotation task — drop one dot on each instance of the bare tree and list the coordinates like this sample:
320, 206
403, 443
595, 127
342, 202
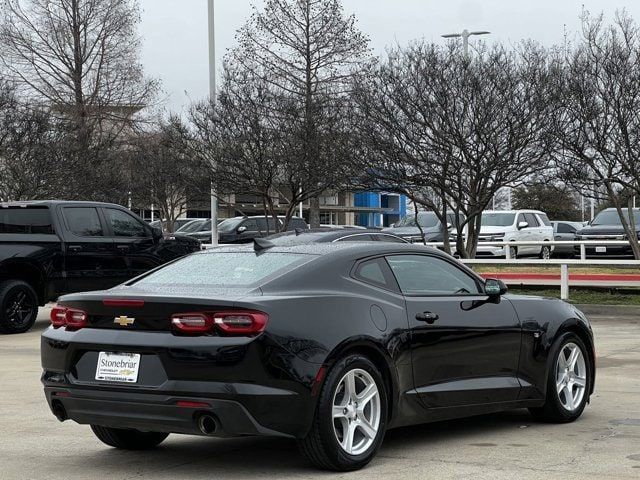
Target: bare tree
307, 50
165, 171
450, 131
599, 126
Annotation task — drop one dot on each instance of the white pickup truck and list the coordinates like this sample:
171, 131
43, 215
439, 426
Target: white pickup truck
515, 226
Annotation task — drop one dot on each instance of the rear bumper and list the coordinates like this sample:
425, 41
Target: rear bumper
153, 412
251, 385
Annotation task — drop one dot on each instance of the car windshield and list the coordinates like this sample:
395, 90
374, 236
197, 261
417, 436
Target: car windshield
497, 219
426, 220
233, 269
611, 217
192, 226
229, 225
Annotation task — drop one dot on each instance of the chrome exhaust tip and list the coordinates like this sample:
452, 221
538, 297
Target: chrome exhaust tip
207, 424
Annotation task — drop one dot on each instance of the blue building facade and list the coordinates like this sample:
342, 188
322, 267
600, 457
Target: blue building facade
392, 208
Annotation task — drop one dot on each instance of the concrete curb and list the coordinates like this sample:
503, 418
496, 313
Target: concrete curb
610, 310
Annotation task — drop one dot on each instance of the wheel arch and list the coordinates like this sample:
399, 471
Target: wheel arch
20, 269
374, 352
583, 333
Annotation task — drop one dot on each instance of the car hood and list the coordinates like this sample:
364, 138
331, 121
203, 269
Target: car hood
602, 230
488, 230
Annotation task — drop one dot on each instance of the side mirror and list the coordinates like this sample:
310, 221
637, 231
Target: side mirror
156, 233
449, 226
495, 288
241, 229
522, 225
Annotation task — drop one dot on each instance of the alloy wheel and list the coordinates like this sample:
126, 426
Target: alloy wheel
571, 376
356, 412
18, 308
545, 254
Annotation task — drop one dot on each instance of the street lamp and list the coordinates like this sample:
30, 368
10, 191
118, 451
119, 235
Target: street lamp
465, 34
212, 96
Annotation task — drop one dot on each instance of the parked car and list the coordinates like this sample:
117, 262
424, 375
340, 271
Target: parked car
515, 226
177, 224
49, 248
327, 235
565, 231
332, 344
607, 226
245, 229
430, 223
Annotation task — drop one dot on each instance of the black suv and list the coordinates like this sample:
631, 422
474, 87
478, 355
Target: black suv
607, 226
245, 229
49, 248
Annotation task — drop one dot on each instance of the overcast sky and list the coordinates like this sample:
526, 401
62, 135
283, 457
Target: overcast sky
175, 32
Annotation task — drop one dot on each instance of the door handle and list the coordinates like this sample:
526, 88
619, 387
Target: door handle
75, 248
122, 247
428, 317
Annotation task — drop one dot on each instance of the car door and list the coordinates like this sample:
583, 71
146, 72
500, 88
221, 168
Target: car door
90, 260
534, 232
465, 348
133, 242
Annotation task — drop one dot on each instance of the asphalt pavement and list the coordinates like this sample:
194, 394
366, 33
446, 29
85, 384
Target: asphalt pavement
603, 444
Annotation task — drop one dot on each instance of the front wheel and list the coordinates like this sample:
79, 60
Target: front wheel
568, 383
351, 417
128, 439
18, 306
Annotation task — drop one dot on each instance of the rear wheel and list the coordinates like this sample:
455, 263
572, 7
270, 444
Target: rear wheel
351, 417
128, 439
569, 382
18, 306
545, 252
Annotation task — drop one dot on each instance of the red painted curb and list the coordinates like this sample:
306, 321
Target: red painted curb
572, 276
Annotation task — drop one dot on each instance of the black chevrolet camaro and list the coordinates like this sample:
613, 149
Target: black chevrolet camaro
331, 344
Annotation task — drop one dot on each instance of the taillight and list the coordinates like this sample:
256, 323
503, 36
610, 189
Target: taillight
72, 318
192, 323
241, 323
58, 316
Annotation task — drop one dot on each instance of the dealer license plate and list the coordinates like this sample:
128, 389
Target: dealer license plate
118, 367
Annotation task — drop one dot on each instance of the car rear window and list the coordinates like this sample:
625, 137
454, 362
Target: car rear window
31, 220
231, 269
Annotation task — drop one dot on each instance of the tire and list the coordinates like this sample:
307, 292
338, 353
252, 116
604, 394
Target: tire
514, 252
322, 446
18, 306
545, 252
128, 439
555, 408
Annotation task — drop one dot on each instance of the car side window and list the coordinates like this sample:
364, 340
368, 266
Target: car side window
388, 238
531, 219
545, 220
83, 221
373, 272
566, 228
251, 225
430, 276
124, 225
520, 219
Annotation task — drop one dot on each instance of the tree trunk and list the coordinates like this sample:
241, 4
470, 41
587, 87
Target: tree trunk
314, 212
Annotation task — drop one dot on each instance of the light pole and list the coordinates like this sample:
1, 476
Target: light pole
465, 34
212, 96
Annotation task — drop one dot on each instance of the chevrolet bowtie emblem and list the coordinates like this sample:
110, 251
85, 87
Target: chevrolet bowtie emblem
124, 321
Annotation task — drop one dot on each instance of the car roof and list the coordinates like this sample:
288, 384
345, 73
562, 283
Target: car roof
523, 210
50, 203
321, 235
348, 249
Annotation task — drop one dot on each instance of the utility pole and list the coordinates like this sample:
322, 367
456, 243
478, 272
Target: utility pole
465, 34
212, 96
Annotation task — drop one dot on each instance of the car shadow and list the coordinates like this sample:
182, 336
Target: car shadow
257, 457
